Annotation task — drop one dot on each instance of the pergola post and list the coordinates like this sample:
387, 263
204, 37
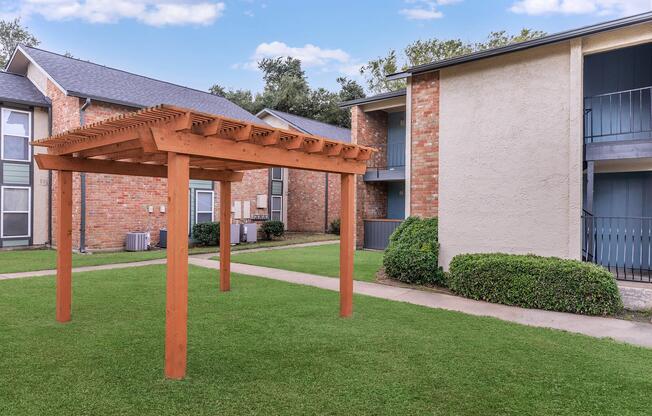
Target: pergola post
176, 310
64, 246
225, 236
347, 215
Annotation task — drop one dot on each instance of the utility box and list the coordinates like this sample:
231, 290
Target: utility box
137, 242
249, 233
235, 233
163, 238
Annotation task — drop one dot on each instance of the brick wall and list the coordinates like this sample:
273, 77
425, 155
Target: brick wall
306, 204
254, 182
369, 129
424, 187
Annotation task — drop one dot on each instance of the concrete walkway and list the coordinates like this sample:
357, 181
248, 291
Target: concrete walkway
625, 331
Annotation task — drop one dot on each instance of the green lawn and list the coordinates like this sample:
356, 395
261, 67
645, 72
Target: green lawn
273, 348
321, 260
29, 260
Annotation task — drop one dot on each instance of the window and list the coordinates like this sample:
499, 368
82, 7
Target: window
16, 132
204, 206
277, 174
277, 206
16, 203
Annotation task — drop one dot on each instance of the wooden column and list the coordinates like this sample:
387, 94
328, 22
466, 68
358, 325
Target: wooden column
225, 236
176, 310
64, 245
347, 231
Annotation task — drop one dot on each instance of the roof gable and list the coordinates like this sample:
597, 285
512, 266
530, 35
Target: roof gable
311, 126
89, 80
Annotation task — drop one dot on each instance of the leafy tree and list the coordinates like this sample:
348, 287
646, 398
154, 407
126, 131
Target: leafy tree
287, 89
12, 33
432, 50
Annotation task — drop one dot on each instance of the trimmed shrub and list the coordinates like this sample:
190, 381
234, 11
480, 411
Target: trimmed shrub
273, 229
412, 254
206, 233
531, 281
334, 227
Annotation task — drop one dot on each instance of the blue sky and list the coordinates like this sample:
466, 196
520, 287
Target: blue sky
200, 42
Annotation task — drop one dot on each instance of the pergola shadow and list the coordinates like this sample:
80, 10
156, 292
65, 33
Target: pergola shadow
182, 144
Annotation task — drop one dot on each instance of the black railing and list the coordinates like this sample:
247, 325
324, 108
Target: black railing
389, 157
621, 244
622, 115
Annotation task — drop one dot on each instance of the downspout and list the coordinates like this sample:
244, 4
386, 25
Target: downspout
50, 183
82, 187
326, 204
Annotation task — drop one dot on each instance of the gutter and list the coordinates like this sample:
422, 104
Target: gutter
82, 177
50, 184
546, 40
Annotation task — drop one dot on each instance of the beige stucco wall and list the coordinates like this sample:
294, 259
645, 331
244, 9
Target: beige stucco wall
510, 172
40, 230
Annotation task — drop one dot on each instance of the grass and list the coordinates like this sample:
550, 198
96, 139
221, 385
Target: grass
270, 347
13, 261
321, 260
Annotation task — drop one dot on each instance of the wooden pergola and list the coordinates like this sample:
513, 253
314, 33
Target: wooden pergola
182, 144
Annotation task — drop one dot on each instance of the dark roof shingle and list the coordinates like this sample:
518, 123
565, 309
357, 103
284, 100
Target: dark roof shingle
87, 79
313, 127
18, 89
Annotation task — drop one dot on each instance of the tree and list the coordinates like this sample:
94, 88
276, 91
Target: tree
427, 51
287, 89
12, 34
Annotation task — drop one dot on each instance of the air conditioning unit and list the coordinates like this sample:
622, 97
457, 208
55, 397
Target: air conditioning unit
137, 241
249, 233
235, 233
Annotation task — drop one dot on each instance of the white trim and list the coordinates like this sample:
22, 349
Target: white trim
28, 137
408, 146
212, 211
28, 212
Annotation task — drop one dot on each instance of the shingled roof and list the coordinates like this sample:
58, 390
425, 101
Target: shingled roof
18, 89
89, 80
311, 126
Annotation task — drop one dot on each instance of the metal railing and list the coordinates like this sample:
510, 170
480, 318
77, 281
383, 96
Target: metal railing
378, 231
622, 115
390, 156
621, 244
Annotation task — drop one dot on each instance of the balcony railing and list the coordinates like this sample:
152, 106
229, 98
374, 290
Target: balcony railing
621, 244
622, 115
378, 231
390, 157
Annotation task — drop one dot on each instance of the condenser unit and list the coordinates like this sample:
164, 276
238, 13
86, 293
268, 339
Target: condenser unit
137, 241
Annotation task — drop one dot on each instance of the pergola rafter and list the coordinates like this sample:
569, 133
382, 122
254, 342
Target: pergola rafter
181, 144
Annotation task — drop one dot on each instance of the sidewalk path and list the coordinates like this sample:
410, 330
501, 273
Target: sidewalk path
625, 331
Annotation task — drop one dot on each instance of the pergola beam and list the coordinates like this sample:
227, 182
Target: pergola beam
211, 147
67, 163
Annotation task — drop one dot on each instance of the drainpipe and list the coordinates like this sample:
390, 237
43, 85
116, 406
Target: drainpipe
82, 177
326, 204
50, 183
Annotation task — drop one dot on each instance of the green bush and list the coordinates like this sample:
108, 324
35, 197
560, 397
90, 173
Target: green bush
206, 233
273, 229
412, 254
536, 282
334, 227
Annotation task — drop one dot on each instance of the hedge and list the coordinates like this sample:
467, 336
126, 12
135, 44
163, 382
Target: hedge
206, 233
412, 254
536, 282
273, 229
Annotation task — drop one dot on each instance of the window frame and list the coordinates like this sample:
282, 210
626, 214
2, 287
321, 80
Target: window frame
272, 210
28, 137
197, 211
3, 212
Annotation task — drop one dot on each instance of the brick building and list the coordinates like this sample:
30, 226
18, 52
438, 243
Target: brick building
71, 92
313, 198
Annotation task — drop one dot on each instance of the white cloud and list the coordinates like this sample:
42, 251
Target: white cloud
150, 12
310, 55
425, 9
602, 7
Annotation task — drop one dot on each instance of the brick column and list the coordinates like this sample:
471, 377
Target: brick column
424, 175
369, 129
